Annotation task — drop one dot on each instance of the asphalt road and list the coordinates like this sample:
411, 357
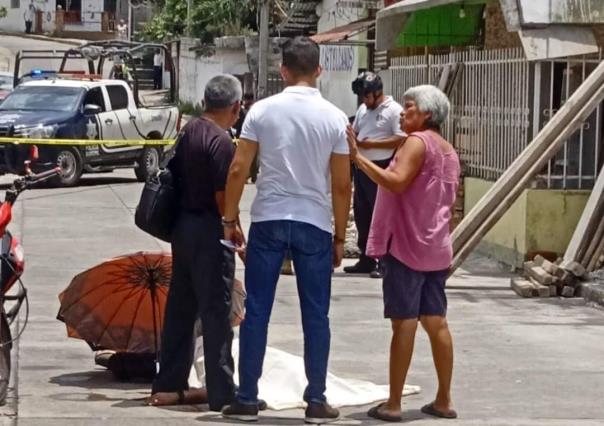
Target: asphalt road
518, 361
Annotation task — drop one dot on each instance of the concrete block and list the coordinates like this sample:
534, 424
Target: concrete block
538, 274
579, 291
593, 292
568, 291
575, 267
522, 287
553, 291
549, 267
567, 279
539, 290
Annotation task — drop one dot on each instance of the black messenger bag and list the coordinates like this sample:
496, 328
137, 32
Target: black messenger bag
158, 207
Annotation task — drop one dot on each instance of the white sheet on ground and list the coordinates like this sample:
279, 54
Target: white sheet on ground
283, 381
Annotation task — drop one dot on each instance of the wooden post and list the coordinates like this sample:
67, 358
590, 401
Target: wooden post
595, 201
493, 205
527, 159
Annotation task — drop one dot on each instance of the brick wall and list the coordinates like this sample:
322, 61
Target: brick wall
496, 33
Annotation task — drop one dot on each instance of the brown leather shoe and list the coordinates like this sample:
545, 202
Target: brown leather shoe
321, 413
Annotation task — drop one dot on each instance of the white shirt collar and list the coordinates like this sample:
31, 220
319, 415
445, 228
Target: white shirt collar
303, 90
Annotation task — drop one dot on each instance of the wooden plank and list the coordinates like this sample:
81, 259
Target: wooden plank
593, 262
595, 200
514, 179
592, 241
502, 195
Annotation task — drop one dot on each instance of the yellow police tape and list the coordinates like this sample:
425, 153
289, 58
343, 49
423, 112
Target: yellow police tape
85, 142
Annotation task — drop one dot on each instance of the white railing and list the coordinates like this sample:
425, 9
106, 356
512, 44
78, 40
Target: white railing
500, 101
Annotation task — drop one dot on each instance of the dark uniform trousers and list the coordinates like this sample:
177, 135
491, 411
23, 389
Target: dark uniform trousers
365, 191
202, 280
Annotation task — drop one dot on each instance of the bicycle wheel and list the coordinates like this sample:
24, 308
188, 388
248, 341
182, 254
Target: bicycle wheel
5, 340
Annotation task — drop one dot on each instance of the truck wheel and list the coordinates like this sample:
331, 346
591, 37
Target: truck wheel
70, 162
148, 163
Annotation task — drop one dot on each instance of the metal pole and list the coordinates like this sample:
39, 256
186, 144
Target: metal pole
129, 27
262, 90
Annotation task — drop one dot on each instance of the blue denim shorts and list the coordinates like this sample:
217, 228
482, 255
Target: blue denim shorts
409, 293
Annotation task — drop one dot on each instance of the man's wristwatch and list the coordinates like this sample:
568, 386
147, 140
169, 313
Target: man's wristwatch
229, 223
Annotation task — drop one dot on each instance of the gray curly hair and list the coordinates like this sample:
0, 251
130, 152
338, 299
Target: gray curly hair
221, 92
430, 99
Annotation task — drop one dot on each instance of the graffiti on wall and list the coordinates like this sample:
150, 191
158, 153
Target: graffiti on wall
337, 58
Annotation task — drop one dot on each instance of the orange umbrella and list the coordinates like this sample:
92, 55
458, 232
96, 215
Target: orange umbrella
119, 304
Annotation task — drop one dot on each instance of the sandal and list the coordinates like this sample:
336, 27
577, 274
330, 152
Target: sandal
433, 411
377, 414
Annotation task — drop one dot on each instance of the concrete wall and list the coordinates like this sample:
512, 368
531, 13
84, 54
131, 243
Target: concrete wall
15, 22
340, 68
539, 221
196, 71
335, 81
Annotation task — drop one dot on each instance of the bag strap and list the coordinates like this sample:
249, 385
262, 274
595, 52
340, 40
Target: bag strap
172, 152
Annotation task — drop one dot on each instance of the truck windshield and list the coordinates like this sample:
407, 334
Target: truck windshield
47, 98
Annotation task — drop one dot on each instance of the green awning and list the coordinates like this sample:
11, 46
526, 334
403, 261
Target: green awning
448, 25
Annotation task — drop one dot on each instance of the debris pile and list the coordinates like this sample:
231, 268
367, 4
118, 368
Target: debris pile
543, 278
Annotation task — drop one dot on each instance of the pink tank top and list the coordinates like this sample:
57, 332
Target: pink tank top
413, 226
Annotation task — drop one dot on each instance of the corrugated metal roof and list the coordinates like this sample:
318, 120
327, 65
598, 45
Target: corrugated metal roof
302, 19
343, 32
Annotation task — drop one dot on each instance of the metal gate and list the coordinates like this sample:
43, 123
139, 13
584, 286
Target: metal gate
500, 101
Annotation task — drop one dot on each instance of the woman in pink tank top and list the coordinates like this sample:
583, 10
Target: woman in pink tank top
410, 233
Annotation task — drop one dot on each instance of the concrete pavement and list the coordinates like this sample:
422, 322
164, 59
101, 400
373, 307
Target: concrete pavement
518, 361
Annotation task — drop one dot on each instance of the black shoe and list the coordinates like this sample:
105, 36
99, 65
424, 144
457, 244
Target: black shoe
320, 413
360, 268
262, 405
377, 272
241, 412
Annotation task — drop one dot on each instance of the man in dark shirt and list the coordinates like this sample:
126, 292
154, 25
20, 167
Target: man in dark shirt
203, 269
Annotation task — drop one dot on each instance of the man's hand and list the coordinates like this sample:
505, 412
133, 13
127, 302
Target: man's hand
353, 142
338, 253
235, 235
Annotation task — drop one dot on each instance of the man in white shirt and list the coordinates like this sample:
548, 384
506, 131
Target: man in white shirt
29, 16
377, 125
157, 70
122, 31
301, 143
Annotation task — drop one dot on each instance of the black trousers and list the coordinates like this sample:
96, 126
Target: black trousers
28, 25
157, 77
365, 191
202, 280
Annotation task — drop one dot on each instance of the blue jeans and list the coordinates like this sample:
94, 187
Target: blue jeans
311, 250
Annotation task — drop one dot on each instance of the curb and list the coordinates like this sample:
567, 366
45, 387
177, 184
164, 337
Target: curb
44, 38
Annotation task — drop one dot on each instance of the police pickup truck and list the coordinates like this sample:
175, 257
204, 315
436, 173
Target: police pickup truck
83, 108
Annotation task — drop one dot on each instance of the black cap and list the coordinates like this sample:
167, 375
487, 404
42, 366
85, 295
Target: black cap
367, 82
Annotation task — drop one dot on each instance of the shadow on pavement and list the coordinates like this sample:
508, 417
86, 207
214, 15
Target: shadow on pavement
86, 181
408, 416
96, 379
263, 419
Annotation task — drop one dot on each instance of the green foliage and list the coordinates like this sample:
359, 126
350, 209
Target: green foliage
209, 19
187, 108
3, 12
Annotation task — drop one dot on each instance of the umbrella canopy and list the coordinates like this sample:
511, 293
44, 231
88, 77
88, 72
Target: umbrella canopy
119, 304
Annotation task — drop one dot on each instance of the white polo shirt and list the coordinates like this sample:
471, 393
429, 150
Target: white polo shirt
157, 60
297, 131
380, 123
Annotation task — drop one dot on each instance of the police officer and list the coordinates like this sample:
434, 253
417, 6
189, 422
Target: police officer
377, 125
